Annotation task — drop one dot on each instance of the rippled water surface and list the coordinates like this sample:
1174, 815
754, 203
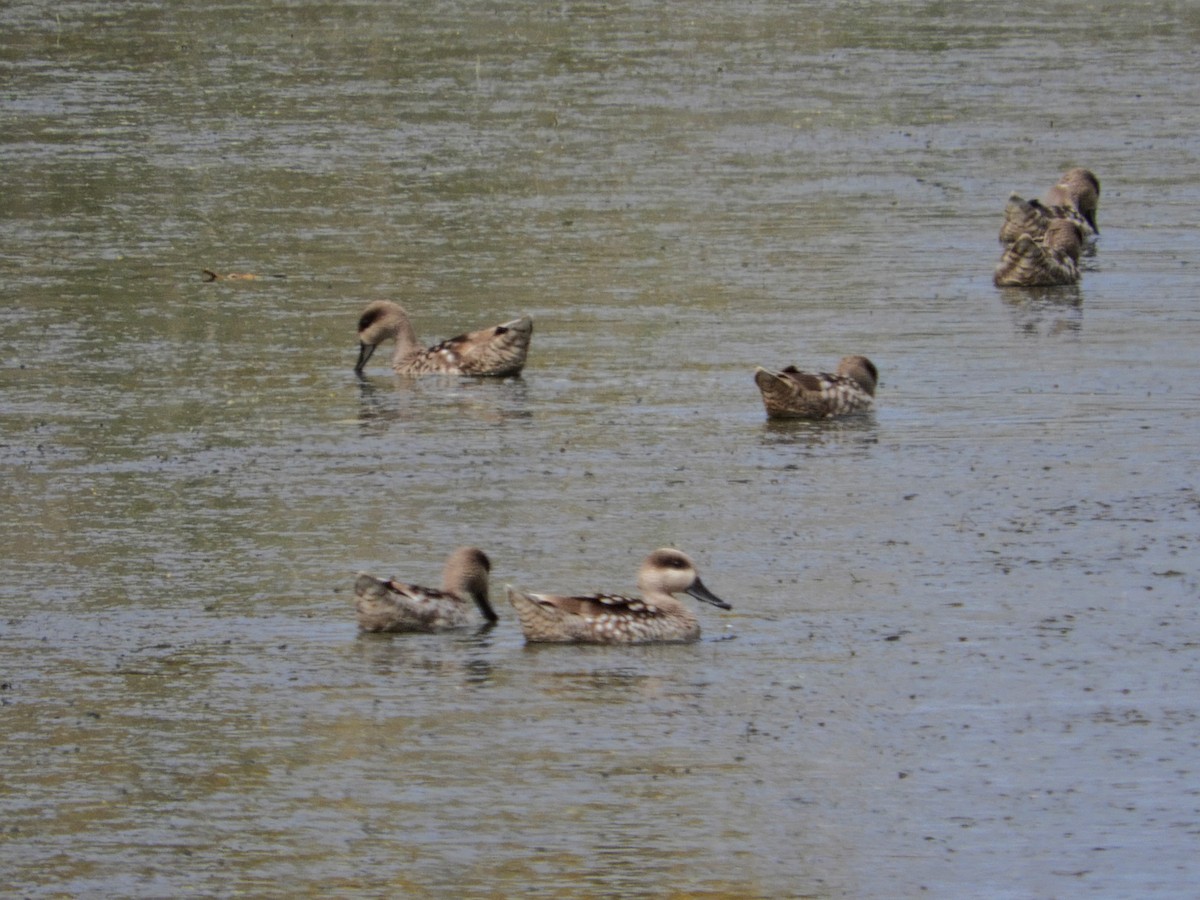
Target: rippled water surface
962, 659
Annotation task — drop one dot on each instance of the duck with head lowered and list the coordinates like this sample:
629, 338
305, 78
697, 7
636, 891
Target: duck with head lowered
390, 605
498, 351
794, 394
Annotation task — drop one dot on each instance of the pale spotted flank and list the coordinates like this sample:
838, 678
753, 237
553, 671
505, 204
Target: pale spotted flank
497, 351
617, 619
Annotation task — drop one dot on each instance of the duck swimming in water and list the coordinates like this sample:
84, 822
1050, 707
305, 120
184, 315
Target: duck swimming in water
497, 351
793, 394
395, 606
615, 618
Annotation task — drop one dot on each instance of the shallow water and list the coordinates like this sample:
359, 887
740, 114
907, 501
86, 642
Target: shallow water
964, 643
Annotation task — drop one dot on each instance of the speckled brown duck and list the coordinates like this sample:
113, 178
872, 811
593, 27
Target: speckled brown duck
794, 394
1054, 259
1075, 196
656, 616
396, 606
497, 351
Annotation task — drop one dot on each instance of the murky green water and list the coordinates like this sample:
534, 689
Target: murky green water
963, 655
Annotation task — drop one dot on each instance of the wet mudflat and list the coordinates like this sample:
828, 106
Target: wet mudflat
963, 651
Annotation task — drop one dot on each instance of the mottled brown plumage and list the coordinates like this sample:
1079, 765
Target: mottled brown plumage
1075, 196
396, 606
793, 394
616, 619
1036, 263
497, 351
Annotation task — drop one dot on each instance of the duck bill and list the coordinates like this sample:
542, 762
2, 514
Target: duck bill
700, 592
485, 610
522, 324
364, 353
